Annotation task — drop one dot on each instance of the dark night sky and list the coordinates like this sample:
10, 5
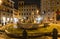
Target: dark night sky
27, 1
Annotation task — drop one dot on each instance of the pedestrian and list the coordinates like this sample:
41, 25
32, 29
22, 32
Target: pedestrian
55, 34
24, 34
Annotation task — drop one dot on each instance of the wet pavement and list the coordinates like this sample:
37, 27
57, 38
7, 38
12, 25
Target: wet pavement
4, 36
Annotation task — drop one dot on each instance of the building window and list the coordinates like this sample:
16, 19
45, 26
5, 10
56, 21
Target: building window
48, 17
27, 17
58, 17
57, 12
57, 2
24, 9
22, 13
7, 10
3, 13
15, 14
27, 13
52, 9
21, 7
27, 9
11, 11
48, 10
44, 12
19, 4
53, 17
32, 9
8, 0
22, 4
8, 14
19, 13
48, 14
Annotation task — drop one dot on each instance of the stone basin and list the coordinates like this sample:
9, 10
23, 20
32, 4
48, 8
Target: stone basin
28, 25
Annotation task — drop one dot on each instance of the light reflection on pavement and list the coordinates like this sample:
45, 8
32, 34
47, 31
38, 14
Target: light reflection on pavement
4, 36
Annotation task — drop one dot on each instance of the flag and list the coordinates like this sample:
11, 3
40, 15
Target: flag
58, 15
58, 12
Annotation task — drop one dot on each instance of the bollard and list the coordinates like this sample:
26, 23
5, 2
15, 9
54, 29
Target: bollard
24, 34
55, 34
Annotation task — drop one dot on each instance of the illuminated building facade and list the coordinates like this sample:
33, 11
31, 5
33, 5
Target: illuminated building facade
49, 9
6, 11
15, 16
27, 11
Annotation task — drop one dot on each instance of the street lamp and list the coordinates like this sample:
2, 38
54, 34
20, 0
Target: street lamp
38, 19
0, 2
4, 20
32, 13
37, 11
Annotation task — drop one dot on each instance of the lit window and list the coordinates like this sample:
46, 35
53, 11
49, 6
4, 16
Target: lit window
4, 19
11, 19
7, 19
15, 20
39, 19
